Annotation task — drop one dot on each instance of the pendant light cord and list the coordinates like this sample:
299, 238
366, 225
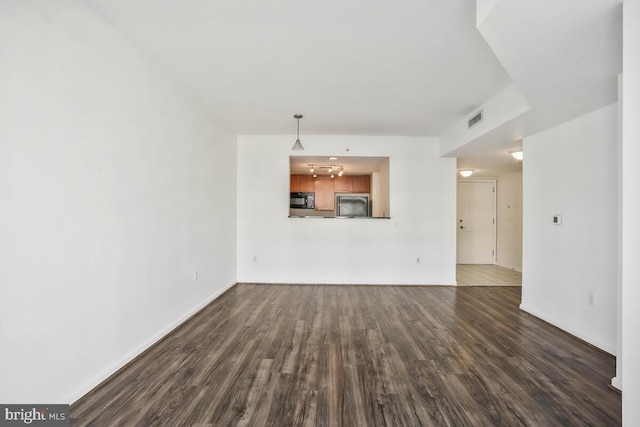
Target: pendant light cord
298, 144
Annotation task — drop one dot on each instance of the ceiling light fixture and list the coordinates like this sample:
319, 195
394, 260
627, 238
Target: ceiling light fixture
517, 154
327, 169
466, 172
298, 145
333, 158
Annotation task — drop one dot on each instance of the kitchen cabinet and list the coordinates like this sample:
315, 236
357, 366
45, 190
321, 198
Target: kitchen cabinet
294, 185
307, 184
324, 189
344, 184
361, 184
353, 184
301, 183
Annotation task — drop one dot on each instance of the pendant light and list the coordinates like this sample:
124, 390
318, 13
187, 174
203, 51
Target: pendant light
298, 144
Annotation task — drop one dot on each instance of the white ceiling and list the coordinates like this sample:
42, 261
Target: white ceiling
351, 67
565, 58
379, 67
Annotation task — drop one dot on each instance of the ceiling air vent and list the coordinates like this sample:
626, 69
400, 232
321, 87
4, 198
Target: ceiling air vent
475, 119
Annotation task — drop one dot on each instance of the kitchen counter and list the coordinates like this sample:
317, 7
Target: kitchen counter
338, 217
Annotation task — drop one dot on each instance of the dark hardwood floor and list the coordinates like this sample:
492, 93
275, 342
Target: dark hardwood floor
284, 355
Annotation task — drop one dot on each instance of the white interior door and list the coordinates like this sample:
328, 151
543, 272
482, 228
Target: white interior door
476, 222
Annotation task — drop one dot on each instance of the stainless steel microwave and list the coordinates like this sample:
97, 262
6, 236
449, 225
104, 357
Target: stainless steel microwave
302, 201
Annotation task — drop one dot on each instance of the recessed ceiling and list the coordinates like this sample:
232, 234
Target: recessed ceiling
491, 166
352, 165
378, 67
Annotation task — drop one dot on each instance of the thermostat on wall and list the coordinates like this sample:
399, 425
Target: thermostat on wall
557, 219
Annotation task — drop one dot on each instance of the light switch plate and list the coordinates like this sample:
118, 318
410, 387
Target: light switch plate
557, 219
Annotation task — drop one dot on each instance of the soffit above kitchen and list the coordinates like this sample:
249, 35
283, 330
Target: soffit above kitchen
352, 165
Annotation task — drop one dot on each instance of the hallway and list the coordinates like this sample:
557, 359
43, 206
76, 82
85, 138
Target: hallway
487, 275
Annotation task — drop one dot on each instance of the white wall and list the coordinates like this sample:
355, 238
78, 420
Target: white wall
319, 250
630, 215
509, 221
571, 170
115, 188
504, 107
483, 8
617, 380
385, 202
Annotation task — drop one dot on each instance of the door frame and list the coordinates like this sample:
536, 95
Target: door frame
495, 216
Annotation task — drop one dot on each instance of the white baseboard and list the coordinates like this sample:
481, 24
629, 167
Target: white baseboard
113, 368
254, 282
601, 346
616, 383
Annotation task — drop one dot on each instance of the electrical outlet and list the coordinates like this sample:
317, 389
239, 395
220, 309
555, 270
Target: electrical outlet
592, 298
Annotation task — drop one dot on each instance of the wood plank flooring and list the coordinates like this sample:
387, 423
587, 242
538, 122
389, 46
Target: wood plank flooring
487, 275
287, 355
